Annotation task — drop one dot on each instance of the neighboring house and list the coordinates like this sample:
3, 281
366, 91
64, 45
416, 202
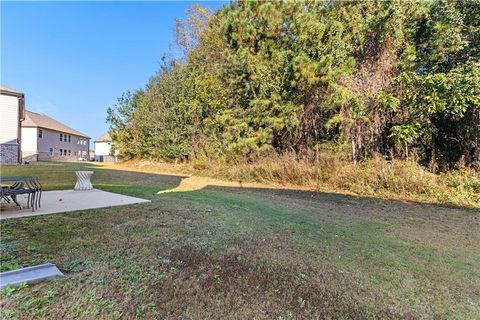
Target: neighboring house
91, 156
46, 139
12, 113
103, 149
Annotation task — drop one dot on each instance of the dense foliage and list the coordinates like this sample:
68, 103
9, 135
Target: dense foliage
400, 79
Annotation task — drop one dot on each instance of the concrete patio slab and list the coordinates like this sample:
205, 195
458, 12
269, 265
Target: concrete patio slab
32, 274
68, 200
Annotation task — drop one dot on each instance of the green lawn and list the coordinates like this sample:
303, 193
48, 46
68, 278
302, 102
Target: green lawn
226, 252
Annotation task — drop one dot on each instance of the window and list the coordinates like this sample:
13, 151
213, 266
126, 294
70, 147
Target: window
61, 136
64, 152
69, 138
69, 152
40, 133
51, 151
64, 138
61, 151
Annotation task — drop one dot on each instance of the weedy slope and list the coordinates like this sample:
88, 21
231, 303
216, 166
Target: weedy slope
228, 252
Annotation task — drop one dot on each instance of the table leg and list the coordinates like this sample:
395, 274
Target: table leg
14, 198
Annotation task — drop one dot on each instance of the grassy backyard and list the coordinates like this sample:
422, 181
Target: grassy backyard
227, 252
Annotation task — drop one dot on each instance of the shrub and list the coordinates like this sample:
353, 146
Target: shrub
330, 170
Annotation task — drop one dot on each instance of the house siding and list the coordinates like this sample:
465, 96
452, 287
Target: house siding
103, 151
48, 147
9, 129
102, 148
29, 144
9, 119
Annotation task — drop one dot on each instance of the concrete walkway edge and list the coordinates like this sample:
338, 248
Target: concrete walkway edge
60, 201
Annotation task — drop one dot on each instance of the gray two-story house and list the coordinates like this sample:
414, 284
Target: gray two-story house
45, 139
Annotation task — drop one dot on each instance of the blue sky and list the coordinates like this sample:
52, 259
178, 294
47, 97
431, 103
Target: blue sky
73, 59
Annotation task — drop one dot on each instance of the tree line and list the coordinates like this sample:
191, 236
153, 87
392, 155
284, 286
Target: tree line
392, 78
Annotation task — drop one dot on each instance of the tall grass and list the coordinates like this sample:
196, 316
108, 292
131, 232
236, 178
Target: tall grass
331, 170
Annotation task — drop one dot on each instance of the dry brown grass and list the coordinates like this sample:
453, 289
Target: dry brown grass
332, 171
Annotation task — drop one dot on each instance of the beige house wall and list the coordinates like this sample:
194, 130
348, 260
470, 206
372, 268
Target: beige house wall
29, 140
9, 119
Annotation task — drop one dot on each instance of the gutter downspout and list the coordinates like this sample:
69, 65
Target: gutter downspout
21, 117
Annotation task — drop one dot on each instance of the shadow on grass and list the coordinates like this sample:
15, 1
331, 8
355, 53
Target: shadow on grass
148, 184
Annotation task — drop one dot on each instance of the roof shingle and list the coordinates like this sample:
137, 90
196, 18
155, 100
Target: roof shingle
33, 119
104, 138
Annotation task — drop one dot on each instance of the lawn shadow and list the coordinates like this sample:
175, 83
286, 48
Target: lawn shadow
153, 184
162, 184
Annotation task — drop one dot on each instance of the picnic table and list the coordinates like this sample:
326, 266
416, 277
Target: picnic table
11, 187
